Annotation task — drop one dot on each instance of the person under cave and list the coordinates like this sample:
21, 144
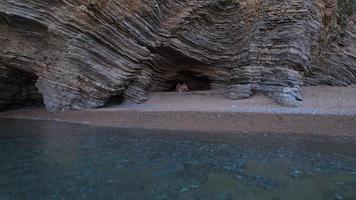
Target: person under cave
182, 87
190, 81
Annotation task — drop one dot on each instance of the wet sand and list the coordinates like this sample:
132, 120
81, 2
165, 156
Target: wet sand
325, 111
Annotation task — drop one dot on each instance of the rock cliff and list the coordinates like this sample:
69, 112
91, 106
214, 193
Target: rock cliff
80, 53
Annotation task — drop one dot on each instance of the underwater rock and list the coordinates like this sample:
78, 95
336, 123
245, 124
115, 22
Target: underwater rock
78, 54
295, 173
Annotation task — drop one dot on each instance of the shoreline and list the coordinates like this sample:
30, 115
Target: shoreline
329, 111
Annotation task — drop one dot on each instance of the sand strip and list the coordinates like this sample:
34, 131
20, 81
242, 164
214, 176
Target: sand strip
325, 111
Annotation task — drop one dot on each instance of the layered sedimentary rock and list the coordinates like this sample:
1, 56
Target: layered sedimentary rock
78, 54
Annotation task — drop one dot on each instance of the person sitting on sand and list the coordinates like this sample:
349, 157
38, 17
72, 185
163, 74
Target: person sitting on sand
185, 87
182, 87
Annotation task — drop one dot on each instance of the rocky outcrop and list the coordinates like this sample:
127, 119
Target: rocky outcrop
80, 53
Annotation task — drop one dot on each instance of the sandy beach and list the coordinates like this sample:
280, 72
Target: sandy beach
325, 111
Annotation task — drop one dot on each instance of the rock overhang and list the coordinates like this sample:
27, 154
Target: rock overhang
81, 53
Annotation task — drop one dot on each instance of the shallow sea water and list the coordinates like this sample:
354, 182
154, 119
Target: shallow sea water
54, 160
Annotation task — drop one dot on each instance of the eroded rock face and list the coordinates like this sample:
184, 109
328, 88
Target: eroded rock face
79, 53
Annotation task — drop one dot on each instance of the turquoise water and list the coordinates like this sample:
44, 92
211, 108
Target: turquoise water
53, 160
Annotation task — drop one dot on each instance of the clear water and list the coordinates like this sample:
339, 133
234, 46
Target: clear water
52, 160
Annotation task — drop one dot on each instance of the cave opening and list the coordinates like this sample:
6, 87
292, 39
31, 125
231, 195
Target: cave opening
114, 100
194, 80
185, 69
18, 89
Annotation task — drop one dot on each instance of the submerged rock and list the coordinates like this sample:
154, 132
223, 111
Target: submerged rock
78, 54
337, 197
295, 173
